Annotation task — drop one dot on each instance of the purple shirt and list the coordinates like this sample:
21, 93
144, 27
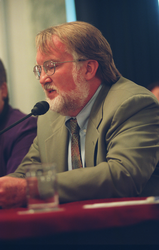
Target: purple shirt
15, 143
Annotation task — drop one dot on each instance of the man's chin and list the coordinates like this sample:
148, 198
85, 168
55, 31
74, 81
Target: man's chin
55, 104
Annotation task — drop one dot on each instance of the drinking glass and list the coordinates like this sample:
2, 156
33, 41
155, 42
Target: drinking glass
42, 191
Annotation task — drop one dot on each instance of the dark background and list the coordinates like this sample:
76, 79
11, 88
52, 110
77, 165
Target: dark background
132, 29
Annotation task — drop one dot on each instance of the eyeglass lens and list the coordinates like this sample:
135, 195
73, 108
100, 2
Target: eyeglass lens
48, 66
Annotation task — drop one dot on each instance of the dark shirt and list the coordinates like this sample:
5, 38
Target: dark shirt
15, 143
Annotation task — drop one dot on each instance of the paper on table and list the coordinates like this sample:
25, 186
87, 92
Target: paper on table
149, 200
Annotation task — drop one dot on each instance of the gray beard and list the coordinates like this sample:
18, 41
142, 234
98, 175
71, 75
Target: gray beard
75, 99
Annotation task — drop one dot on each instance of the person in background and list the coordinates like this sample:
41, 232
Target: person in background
154, 88
102, 130
14, 143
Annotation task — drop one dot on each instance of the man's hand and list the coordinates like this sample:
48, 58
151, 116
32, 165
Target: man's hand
12, 192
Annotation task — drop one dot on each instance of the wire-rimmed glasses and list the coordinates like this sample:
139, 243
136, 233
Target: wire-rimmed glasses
49, 67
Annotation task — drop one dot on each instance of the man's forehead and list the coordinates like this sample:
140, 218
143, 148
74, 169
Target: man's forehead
57, 44
53, 45
55, 49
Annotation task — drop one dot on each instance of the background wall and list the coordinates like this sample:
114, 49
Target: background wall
132, 29
20, 21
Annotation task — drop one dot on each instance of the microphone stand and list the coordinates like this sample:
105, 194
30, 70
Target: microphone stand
14, 124
39, 108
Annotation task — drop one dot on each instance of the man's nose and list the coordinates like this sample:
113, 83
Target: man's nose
43, 76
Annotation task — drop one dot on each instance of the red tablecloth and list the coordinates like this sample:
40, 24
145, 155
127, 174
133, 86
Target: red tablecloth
72, 217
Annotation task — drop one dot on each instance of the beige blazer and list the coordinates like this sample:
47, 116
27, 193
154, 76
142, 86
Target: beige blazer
121, 148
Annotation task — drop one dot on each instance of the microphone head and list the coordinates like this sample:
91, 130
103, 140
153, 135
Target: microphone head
40, 108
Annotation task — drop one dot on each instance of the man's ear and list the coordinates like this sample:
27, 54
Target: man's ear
4, 90
91, 69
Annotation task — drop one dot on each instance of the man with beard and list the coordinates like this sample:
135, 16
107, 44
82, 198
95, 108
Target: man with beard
14, 143
118, 121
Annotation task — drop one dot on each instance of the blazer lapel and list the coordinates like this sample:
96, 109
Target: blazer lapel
57, 144
92, 134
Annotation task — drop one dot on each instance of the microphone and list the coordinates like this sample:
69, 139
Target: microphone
39, 108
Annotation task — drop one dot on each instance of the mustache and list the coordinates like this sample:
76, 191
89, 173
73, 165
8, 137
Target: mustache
49, 86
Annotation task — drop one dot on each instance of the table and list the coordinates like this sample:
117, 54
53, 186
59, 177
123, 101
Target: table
74, 224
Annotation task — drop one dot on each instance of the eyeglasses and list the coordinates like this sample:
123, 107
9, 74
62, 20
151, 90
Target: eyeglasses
50, 67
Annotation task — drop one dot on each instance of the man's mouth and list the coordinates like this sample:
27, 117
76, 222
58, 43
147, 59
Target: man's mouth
50, 90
